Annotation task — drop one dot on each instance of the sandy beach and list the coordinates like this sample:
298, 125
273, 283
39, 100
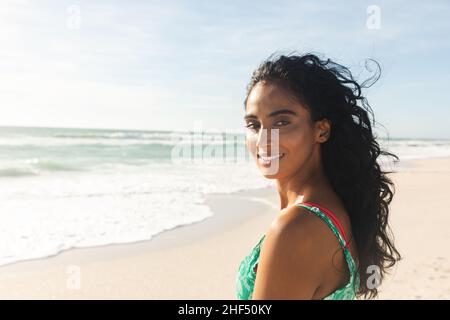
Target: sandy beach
200, 261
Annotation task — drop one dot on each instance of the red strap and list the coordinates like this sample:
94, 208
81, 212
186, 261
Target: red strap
333, 218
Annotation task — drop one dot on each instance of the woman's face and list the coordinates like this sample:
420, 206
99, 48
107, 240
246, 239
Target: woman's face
270, 107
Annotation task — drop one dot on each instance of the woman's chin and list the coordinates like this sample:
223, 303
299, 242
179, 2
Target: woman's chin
272, 172
270, 169
271, 176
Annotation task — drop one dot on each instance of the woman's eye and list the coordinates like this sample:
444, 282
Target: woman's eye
282, 123
251, 126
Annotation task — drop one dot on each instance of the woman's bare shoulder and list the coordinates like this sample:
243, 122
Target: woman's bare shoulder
291, 264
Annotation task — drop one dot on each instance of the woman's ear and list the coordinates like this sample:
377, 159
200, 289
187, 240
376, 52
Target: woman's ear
323, 130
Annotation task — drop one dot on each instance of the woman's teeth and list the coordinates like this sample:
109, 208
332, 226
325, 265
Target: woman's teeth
271, 158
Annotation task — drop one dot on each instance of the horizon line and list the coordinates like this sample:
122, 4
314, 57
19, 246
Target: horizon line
181, 131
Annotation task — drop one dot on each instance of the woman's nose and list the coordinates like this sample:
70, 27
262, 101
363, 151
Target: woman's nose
262, 136
267, 140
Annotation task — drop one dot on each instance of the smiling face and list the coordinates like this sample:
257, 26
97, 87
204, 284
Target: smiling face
270, 107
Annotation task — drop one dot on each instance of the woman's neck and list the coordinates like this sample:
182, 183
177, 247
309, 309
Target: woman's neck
302, 187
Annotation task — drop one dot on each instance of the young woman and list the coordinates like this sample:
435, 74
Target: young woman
331, 239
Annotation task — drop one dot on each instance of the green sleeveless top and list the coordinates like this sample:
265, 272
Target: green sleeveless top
246, 276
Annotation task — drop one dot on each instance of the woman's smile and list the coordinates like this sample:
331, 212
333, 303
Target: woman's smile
266, 160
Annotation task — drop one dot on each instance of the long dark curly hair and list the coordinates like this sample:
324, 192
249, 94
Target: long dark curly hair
349, 156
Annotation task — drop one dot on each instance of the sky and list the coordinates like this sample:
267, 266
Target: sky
172, 65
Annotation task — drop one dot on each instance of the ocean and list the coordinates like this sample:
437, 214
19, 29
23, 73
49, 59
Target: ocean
72, 188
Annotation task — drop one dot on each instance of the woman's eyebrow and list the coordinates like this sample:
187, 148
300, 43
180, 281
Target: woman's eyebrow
273, 114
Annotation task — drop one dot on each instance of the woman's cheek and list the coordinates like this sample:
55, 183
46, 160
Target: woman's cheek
251, 140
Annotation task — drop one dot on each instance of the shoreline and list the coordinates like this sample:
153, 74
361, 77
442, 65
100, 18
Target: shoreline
232, 214
175, 237
213, 248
